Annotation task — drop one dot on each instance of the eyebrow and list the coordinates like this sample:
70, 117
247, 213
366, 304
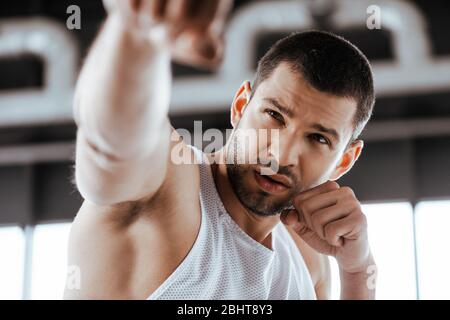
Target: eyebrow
286, 110
323, 129
290, 113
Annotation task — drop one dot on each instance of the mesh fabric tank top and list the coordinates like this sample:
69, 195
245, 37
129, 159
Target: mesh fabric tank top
226, 263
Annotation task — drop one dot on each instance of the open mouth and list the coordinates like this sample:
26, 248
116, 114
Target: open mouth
269, 184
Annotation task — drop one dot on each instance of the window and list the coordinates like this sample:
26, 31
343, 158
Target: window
391, 236
12, 254
433, 254
49, 260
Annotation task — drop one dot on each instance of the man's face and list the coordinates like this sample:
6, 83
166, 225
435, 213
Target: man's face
314, 129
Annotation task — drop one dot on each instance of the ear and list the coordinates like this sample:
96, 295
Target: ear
240, 101
348, 159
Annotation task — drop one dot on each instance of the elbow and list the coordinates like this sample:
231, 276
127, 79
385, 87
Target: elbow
96, 191
94, 195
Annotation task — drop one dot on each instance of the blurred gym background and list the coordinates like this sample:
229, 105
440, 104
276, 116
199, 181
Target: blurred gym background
402, 178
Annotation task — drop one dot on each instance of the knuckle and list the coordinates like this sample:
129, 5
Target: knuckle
359, 219
332, 185
363, 220
350, 203
347, 191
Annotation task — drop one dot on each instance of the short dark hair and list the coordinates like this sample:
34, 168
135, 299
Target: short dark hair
329, 63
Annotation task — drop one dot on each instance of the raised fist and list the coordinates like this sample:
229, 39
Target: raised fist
193, 28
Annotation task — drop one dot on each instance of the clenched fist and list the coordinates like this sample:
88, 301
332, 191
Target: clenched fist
329, 219
193, 28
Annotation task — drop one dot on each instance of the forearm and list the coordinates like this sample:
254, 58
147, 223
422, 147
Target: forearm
123, 92
359, 285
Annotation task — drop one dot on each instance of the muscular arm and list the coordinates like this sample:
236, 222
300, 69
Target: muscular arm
122, 95
123, 144
353, 286
344, 238
120, 108
359, 286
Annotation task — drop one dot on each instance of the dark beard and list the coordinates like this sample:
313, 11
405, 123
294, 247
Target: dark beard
259, 202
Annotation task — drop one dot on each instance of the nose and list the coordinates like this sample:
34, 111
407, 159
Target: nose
285, 150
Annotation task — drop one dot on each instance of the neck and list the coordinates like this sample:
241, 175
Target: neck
257, 227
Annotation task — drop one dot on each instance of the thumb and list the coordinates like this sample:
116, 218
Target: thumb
208, 47
197, 49
293, 219
290, 217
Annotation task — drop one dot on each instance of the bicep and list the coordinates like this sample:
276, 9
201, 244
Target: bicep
104, 180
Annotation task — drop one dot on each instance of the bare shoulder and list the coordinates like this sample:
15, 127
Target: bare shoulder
181, 182
115, 246
318, 266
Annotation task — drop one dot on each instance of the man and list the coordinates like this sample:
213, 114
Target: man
151, 228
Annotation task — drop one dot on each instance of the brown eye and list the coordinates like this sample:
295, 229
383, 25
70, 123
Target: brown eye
320, 138
275, 115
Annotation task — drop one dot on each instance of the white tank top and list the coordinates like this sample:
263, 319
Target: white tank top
226, 263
